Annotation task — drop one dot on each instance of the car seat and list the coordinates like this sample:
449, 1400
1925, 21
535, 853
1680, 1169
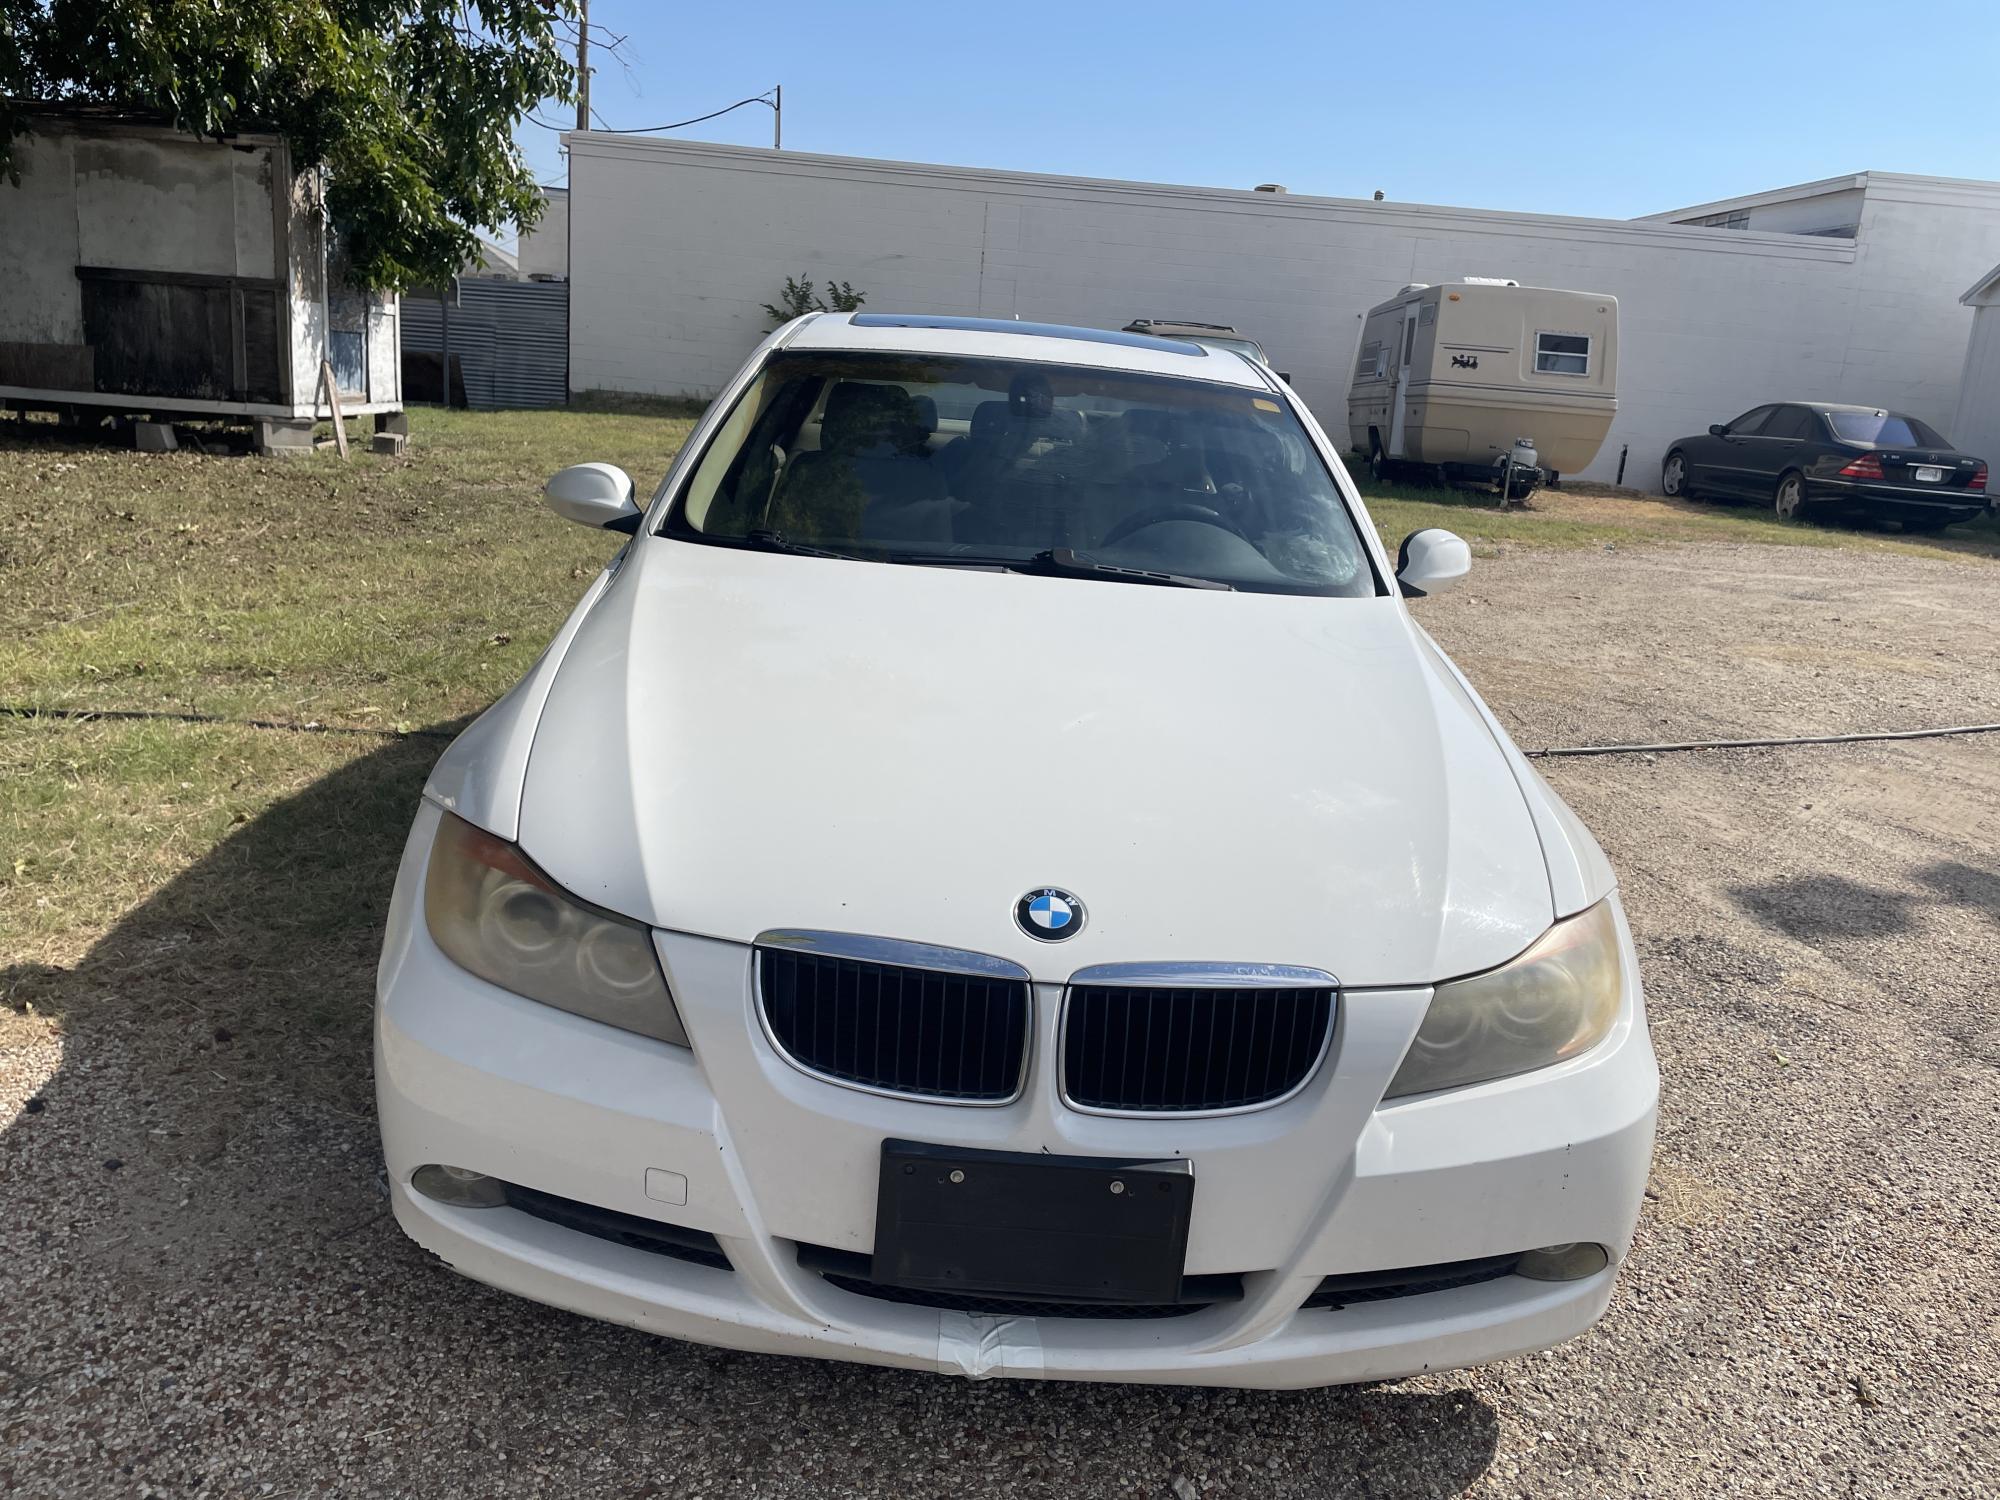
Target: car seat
873, 454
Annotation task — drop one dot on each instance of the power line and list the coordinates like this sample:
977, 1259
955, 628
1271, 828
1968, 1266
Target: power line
763, 98
769, 99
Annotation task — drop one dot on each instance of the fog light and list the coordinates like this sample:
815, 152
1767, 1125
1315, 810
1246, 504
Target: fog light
458, 1187
1563, 1262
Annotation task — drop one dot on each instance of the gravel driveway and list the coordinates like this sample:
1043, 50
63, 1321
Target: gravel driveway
203, 1294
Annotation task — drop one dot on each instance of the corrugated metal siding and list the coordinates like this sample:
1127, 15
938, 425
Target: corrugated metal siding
510, 339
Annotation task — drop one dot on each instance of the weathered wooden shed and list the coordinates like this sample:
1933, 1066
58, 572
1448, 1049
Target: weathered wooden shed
150, 272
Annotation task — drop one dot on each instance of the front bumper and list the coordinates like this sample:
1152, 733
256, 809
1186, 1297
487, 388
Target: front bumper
1323, 1184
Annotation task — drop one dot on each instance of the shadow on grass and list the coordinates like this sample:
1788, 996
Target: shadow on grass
208, 1292
631, 404
39, 435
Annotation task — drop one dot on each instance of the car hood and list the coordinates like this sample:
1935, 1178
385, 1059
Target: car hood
740, 741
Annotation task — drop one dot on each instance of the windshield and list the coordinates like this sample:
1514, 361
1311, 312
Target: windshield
937, 459
1883, 429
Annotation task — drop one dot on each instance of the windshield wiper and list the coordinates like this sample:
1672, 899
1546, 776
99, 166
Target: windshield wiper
953, 560
772, 541
1065, 562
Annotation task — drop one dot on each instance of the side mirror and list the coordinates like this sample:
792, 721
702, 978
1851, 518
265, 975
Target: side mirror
1430, 560
1718, 429
594, 495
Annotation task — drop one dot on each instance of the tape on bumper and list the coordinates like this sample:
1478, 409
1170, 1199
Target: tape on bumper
981, 1348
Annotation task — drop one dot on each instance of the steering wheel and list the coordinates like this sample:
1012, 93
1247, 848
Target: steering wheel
1185, 510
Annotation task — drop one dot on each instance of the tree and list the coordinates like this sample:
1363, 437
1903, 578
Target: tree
798, 299
408, 105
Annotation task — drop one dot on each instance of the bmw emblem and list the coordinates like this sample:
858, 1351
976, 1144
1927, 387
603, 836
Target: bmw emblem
1049, 915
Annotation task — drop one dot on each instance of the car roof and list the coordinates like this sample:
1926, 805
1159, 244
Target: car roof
1833, 406
1043, 343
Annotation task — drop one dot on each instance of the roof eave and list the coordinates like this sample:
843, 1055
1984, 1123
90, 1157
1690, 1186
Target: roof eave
1826, 186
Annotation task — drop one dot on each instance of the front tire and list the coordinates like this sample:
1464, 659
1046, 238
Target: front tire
1674, 477
1789, 499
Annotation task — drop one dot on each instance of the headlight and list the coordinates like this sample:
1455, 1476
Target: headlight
494, 913
1556, 1000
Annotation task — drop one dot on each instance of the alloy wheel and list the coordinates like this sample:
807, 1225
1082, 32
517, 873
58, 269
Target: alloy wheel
1791, 501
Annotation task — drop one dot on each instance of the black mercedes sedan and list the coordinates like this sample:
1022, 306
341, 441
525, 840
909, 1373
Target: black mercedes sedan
1807, 456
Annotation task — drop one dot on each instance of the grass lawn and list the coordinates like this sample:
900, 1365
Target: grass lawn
389, 593
1591, 515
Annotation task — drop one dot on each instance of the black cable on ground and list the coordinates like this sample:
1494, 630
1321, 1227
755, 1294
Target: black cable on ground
1803, 739
30, 711
79, 715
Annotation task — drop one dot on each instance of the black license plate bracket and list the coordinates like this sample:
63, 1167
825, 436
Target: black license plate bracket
1022, 1224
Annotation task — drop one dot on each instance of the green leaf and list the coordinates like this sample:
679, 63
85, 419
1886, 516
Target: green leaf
409, 106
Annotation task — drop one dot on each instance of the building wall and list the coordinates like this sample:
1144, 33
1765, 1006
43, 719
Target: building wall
305, 275
1922, 242
675, 245
1975, 427
1835, 211
134, 202
385, 349
38, 245
544, 250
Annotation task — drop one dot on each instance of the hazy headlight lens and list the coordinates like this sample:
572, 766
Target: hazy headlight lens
495, 914
1556, 1000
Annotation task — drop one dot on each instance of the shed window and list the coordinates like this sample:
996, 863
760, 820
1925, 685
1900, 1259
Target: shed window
1562, 354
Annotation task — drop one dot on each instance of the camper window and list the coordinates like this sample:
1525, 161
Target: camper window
1562, 354
1369, 366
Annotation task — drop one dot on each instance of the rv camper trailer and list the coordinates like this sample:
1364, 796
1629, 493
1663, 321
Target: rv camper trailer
1485, 380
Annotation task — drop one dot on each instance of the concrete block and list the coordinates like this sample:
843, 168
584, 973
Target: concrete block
281, 437
392, 421
154, 437
389, 444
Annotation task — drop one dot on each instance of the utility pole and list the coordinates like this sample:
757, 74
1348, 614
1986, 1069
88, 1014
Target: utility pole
778, 119
583, 65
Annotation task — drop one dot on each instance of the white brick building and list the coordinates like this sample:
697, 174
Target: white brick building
1977, 424
1845, 290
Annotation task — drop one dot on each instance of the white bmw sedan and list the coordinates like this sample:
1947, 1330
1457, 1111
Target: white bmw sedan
993, 879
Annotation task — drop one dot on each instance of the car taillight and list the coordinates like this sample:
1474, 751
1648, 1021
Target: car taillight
1978, 480
1868, 466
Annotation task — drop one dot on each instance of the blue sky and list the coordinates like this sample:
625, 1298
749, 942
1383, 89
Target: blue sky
1611, 108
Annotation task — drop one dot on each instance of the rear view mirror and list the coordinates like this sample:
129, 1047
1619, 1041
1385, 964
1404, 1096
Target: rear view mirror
594, 495
1718, 429
1430, 560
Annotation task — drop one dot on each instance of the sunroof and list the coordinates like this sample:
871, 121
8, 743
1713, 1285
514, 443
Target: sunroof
1032, 330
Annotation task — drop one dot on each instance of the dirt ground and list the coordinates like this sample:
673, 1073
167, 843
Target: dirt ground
203, 1293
